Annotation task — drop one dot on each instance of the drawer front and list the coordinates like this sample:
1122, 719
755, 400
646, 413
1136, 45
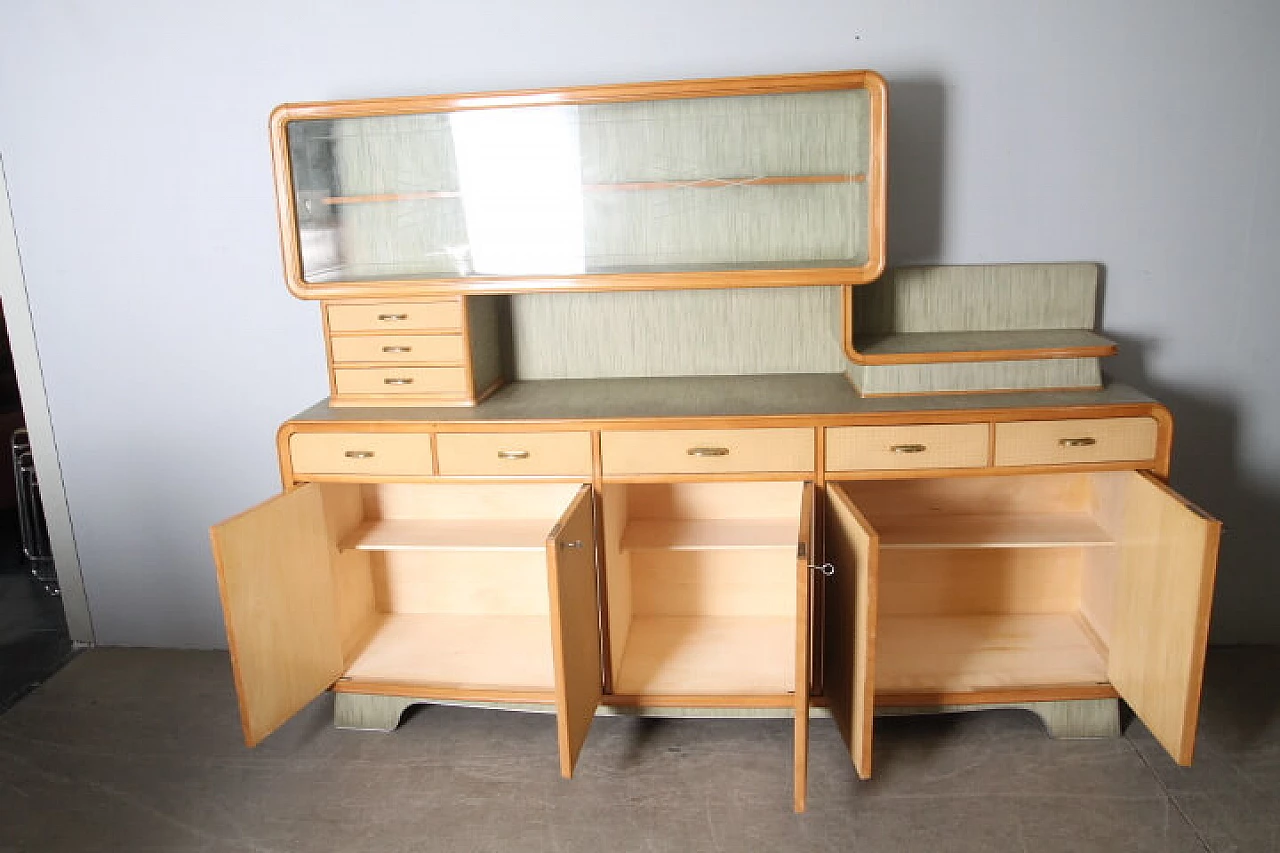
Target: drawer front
1075, 441
881, 448
445, 315
699, 451
445, 349
386, 454
403, 381
515, 454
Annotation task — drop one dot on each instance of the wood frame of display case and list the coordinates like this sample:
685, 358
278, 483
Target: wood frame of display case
875, 179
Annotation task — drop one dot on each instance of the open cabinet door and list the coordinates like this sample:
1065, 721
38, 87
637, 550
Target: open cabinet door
853, 547
277, 599
575, 626
804, 644
1168, 558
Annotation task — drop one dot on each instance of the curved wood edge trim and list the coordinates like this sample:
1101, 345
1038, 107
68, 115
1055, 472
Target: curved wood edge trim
969, 356
1009, 696
976, 391
383, 423
985, 471
700, 700
401, 289
1164, 439
659, 90
452, 694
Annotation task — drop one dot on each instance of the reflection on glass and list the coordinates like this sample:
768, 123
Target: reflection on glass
521, 187
743, 182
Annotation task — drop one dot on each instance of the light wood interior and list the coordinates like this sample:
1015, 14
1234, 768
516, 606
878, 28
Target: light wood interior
446, 586
994, 583
702, 587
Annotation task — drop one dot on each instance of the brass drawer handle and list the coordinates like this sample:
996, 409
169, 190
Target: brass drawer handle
708, 451
1077, 442
397, 380
513, 454
359, 454
392, 317
397, 349
908, 448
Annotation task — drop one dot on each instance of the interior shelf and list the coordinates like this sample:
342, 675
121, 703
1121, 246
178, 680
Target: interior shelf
458, 651
646, 534
717, 655
449, 535
982, 346
996, 530
692, 183
985, 652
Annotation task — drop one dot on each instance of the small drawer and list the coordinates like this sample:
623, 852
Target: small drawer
402, 381
699, 451
445, 349
515, 454
881, 448
1075, 441
385, 454
445, 315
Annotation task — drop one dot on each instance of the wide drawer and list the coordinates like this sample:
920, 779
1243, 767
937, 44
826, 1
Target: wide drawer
1075, 441
698, 451
448, 349
879, 448
389, 454
563, 454
402, 381
445, 314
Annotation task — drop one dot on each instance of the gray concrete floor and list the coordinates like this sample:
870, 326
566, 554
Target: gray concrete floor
139, 750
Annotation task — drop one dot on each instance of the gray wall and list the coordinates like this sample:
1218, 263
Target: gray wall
1138, 134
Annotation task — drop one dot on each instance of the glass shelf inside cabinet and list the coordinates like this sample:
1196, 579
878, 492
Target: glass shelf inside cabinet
674, 185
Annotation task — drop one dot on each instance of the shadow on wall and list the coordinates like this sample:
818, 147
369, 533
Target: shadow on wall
1207, 470
917, 152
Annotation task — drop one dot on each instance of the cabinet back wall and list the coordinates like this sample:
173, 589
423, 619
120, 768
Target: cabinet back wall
679, 333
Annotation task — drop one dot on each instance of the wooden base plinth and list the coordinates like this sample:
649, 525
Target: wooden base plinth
1067, 719
1074, 718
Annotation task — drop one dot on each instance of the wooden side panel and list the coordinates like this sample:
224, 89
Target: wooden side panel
850, 650
1164, 591
278, 601
803, 644
575, 626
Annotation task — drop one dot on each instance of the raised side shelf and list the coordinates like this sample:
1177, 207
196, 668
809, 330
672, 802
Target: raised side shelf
644, 534
1004, 530
1009, 345
711, 655
460, 651
520, 534
958, 654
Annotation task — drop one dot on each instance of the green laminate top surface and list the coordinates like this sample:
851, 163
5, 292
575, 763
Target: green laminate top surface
707, 396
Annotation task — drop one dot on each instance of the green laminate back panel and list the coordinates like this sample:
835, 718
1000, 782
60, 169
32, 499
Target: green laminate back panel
979, 298
676, 333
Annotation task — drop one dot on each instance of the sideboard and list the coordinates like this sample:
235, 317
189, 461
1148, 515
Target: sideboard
762, 542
